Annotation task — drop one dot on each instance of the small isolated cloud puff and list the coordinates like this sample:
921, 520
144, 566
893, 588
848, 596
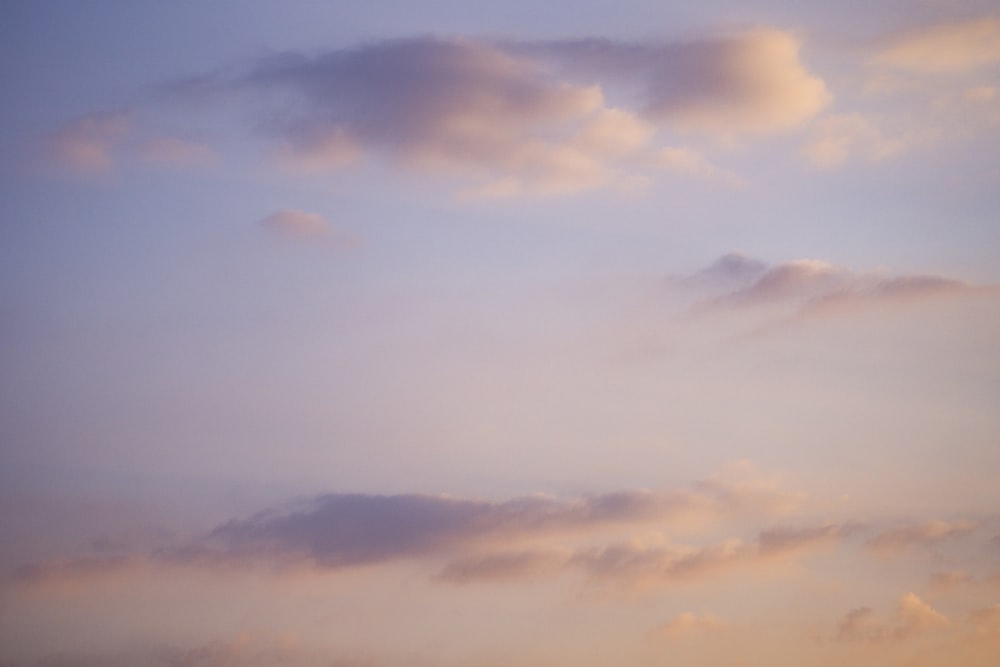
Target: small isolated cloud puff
300, 225
946, 48
913, 618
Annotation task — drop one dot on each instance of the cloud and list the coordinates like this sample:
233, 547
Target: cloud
747, 83
729, 272
349, 529
810, 287
921, 534
503, 567
524, 118
802, 278
445, 105
786, 539
248, 650
638, 563
945, 48
913, 618
87, 145
298, 224
689, 623
344, 530
836, 138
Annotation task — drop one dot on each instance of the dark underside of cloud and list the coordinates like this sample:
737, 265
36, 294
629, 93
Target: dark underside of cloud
348, 529
527, 116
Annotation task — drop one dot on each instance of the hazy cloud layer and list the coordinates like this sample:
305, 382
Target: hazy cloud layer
913, 618
87, 145
245, 651
96, 144
689, 623
636, 563
838, 138
921, 534
945, 48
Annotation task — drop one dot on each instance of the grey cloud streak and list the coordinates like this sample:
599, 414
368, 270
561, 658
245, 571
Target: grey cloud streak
344, 530
814, 287
340, 530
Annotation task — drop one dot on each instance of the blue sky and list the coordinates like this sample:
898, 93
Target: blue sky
607, 333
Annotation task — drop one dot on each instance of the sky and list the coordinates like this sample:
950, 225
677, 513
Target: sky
508, 334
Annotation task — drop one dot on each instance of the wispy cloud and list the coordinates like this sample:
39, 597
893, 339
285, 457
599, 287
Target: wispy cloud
838, 138
913, 618
810, 287
952, 47
920, 534
303, 226
689, 623
344, 530
248, 650
87, 145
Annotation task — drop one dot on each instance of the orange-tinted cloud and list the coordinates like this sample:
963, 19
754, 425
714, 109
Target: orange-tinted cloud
835, 139
87, 145
945, 48
343, 530
913, 618
689, 623
921, 534
514, 118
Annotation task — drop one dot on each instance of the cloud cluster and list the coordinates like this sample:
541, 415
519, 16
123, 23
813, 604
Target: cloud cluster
529, 117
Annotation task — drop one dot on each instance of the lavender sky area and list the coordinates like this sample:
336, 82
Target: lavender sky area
510, 334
